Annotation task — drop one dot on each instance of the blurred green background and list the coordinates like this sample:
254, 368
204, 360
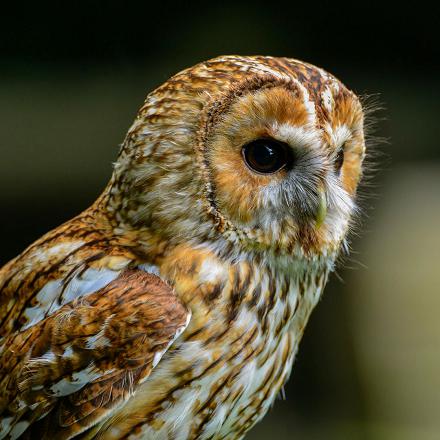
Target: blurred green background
71, 79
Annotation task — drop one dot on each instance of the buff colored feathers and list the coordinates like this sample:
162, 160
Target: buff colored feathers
173, 307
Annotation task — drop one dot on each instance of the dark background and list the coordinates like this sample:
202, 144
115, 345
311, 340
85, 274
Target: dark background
71, 79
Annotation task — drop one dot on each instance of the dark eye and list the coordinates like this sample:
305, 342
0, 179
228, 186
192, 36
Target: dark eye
339, 160
266, 156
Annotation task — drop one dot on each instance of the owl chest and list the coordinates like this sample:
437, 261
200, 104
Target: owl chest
222, 396
223, 376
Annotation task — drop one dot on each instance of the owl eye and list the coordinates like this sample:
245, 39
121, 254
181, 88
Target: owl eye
339, 160
266, 156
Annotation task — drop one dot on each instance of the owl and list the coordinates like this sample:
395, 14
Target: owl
173, 307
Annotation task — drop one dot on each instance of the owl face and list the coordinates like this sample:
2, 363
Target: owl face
261, 152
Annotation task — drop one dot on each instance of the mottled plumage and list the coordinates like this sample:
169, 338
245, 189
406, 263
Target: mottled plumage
174, 305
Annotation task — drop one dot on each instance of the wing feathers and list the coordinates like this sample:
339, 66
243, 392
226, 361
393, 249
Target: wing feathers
89, 356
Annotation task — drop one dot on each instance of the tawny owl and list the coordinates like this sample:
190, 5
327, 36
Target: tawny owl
174, 305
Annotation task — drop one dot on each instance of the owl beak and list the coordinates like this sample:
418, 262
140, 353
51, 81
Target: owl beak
321, 212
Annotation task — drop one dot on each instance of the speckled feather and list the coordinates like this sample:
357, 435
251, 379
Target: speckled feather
95, 346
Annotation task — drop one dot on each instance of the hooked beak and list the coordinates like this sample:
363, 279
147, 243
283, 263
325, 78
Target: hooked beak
321, 212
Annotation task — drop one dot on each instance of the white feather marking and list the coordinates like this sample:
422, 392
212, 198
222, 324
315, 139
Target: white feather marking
59, 249
79, 379
216, 421
90, 281
48, 357
18, 429
340, 134
55, 294
5, 426
149, 268
157, 357
210, 271
327, 99
46, 297
68, 352
97, 341
302, 137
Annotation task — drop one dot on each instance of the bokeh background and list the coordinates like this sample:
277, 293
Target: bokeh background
72, 75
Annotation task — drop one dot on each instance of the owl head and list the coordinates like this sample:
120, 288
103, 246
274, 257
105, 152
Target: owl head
243, 154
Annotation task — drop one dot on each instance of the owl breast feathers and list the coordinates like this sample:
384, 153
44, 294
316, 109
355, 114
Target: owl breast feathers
174, 305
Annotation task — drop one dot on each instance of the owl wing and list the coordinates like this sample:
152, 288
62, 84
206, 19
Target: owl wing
71, 369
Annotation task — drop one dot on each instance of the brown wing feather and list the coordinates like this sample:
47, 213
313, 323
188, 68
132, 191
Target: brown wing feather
64, 374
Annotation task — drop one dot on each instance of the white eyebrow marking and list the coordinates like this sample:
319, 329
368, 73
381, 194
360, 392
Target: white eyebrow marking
297, 136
